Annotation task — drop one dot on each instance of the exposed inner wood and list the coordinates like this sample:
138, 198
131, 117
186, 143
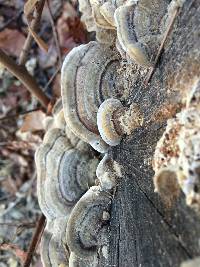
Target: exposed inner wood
143, 231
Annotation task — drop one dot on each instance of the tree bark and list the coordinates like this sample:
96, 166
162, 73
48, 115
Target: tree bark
144, 232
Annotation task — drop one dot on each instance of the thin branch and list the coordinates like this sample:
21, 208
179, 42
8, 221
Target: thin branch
52, 78
34, 25
35, 240
152, 69
23, 75
55, 33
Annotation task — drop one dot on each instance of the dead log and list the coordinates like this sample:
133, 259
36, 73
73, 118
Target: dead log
144, 232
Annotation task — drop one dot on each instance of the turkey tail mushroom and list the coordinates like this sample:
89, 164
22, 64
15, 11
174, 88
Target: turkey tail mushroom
114, 120
64, 173
54, 251
89, 76
127, 37
87, 228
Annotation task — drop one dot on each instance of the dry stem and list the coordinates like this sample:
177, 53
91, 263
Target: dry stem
22, 74
152, 69
35, 240
34, 25
55, 34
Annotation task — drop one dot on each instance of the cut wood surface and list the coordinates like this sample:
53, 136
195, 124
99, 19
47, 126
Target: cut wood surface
144, 232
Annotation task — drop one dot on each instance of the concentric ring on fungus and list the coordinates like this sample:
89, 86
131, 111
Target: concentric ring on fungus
105, 121
86, 228
88, 77
64, 173
128, 39
114, 120
52, 247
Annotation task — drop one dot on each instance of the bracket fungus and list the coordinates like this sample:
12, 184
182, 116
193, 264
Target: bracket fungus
100, 18
89, 76
137, 24
64, 172
127, 36
114, 120
108, 173
77, 212
87, 231
53, 247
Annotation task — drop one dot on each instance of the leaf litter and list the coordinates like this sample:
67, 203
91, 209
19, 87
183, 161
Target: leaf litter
21, 133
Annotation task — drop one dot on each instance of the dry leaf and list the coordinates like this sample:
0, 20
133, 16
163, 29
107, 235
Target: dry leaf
12, 41
39, 41
33, 121
51, 105
17, 251
70, 29
29, 7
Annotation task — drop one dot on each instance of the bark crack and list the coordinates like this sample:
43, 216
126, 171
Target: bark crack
176, 236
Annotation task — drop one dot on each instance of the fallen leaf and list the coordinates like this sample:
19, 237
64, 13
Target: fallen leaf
32, 140
17, 251
50, 106
33, 121
29, 7
16, 95
39, 40
18, 145
71, 31
12, 41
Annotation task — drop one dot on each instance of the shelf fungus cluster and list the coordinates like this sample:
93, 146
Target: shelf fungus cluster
91, 87
135, 25
177, 155
77, 210
75, 186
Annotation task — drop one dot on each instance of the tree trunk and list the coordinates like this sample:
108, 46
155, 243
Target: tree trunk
144, 232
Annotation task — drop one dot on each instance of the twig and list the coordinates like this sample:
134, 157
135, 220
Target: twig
35, 240
55, 34
152, 69
19, 114
23, 75
34, 25
52, 78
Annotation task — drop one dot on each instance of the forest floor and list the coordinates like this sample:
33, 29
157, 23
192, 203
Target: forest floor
21, 116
